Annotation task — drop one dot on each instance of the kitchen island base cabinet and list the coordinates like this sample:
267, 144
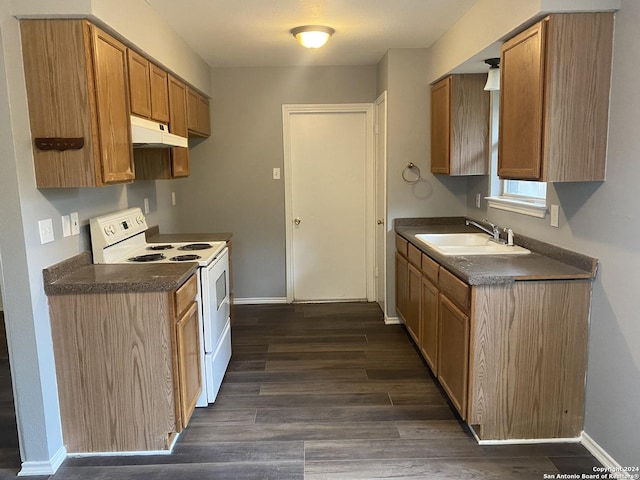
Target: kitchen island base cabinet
123, 361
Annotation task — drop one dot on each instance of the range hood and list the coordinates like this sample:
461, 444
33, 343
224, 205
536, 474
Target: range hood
149, 134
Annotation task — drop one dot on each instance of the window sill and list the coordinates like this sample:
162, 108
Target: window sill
538, 210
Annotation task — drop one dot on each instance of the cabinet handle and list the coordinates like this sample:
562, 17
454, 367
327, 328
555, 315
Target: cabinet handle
297, 220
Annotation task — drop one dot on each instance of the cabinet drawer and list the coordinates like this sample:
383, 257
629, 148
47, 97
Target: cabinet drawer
455, 289
415, 256
185, 294
430, 268
401, 245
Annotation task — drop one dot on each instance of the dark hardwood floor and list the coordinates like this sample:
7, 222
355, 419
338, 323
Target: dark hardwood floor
327, 391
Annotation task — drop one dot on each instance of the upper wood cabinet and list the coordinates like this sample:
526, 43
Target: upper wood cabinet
198, 120
178, 125
554, 99
77, 89
460, 125
157, 164
139, 84
148, 85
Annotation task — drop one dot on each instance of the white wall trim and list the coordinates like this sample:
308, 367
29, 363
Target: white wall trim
603, 457
392, 320
48, 467
259, 300
515, 206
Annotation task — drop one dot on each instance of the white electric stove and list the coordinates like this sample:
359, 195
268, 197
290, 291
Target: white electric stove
119, 237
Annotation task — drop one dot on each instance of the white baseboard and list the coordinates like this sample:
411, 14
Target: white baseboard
48, 467
392, 321
259, 300
603, 457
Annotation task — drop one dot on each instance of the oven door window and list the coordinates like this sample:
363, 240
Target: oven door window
221, 289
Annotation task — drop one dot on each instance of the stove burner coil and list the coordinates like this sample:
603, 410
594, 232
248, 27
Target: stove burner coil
185, 258
195, 246
152, 257
160, 247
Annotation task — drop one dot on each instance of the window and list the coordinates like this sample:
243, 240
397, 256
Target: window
524, 190
519, 196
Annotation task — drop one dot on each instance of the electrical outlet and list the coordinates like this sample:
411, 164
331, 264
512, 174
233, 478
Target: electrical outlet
478, 200
555, 214
173, 198
75, 224
276, 174
66, 226
146, 206
46, 231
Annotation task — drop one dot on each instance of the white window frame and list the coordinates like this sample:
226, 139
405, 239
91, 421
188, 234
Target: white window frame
498, 198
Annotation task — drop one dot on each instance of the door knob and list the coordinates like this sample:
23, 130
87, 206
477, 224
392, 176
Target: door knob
297, 220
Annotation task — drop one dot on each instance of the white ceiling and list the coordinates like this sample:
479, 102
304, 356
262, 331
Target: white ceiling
241, 33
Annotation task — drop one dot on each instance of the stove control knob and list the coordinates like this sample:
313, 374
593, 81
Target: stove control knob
110, 230
140, 219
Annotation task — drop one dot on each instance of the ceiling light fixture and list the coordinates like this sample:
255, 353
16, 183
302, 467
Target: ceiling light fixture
493, 78
312, 36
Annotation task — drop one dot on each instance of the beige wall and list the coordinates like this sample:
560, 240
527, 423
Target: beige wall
231, 186
408, 140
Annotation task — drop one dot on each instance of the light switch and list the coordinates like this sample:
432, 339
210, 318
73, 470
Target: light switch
173, 198
276, 174
146, 206
75, 224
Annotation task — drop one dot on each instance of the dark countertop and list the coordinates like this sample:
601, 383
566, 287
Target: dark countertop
546, 261
79, 275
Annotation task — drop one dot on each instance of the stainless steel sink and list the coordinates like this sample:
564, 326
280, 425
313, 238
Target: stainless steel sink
468, 244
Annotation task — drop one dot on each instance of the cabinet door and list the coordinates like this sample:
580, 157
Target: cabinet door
441, 126
429, 324
402, 278
159, 94
112, 107
139, 88
453, 353
521, 104
204, 120
412, 319
178, 125
188, 345
192, 110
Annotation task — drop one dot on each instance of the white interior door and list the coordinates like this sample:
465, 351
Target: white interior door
381, 200
328, 176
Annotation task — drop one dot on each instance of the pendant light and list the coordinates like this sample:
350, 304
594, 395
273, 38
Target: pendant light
493, 78
312, 36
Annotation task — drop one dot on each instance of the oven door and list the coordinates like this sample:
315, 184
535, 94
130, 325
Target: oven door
215, 299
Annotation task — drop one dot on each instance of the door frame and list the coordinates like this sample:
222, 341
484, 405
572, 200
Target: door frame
381, 109
296, 109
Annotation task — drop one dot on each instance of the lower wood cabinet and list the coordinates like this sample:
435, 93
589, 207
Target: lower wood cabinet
412, 318
402, 285
128, 367
511, 357
453, 353
429, 321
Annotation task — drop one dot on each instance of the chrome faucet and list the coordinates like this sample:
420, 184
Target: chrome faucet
494, 232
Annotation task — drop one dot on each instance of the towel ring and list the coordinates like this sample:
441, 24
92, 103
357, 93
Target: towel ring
411, 168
